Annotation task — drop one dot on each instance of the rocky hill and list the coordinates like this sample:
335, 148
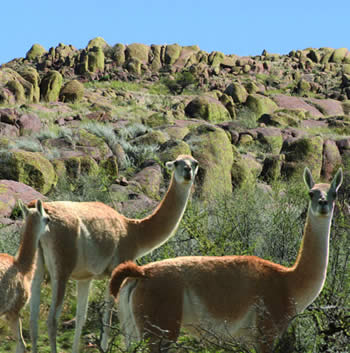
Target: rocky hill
118, 112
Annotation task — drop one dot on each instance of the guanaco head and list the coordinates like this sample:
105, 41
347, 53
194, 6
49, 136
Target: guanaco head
36, 217
185, 168
322, 196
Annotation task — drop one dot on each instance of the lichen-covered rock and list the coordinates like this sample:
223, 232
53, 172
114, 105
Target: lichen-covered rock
283, 118
81, 165
326, 54
32, 76
96, 59
17, 85
137, 51
272, 167
188, 57
300, 153
169, 150
72, 92
97, 42
172, 53
50, 86
134, 66
118, 54
35, 52
159, 119
260, 104
237, 92
30, 168
216, 58
92, 145
339, 55
17, 89
155, 56
212, 148
207, 108
150, 179
241, 172
271, 138
154, 137
176, 132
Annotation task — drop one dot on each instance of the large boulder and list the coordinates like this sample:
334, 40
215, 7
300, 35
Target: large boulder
72, 92
172, 53
260, 104
207, 108
30, 168
118, 54
149, 179
339, 55
35, 52
300, 153
271, 138
50, 86
21, 89
296, 103
96, 59
237, 92
97, 42
29, 123
328, 107
169, 150
212, 148
137, 51
32, 76
11, 191
155, 55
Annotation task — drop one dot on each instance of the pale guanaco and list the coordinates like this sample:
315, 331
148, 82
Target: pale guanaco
87, 240
16, 272
242, 297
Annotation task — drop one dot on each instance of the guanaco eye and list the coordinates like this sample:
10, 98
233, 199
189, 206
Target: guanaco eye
311, 194
176, 163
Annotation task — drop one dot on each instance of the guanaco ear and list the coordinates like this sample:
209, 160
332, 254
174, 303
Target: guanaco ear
309, 181
170, 165
23, 208
40, 208
337, 180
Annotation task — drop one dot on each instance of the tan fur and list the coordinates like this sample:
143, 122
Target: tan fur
88, 239
245, 297
16, 273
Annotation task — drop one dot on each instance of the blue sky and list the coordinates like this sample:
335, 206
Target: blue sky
234, 27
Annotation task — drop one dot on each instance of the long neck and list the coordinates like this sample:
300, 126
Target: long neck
310, 269
27, 250
151, 232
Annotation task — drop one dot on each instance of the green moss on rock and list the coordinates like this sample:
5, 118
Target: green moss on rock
72, 92
30, 168
36, 51
339, 55
300, 153
212, 148
260, 104
172, 53
137, 51
96, 59
207, 108
172, 148
50, 86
